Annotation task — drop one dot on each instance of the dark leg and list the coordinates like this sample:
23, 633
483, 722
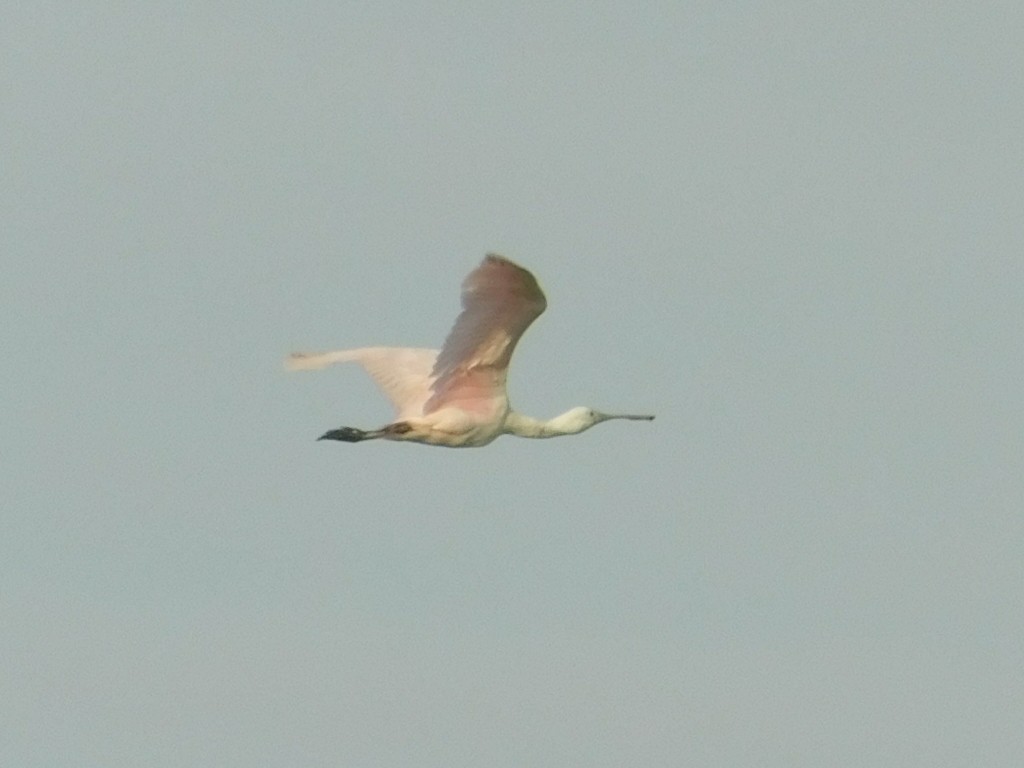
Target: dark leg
348, 435
353, 435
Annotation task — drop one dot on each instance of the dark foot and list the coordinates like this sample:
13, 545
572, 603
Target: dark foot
345, 434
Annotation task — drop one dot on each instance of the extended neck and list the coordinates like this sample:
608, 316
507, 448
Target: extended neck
571, 422
527, 426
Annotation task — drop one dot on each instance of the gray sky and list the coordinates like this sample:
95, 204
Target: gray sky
793, 231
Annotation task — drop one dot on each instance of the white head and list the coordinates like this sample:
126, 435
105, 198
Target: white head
581, 418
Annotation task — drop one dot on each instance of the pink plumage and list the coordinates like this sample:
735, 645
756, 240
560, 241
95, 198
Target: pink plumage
456, 396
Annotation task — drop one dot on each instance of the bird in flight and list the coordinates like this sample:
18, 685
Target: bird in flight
456, 396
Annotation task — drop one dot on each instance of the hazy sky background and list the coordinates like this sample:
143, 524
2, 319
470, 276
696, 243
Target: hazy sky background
791, 230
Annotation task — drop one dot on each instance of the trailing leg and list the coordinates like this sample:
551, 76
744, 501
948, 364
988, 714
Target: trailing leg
353, 435
349, 435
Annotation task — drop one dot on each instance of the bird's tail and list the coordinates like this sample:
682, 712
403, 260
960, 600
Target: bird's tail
314, 361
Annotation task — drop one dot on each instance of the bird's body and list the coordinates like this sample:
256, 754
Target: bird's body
456, 396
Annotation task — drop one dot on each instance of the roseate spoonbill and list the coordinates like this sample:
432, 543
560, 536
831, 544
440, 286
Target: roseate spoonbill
456, 396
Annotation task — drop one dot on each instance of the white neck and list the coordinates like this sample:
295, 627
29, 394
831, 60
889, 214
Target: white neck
526, 426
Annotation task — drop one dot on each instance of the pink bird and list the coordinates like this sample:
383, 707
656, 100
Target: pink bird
456, 396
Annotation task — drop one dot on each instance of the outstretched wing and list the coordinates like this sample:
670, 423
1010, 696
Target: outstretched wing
499, 301
402, 374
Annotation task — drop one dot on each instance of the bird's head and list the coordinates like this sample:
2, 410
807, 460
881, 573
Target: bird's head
578, 419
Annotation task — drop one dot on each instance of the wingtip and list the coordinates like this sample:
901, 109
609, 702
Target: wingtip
505, 261
301, 361
496, 258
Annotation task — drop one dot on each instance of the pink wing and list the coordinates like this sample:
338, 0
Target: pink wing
402, 374
499, 301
